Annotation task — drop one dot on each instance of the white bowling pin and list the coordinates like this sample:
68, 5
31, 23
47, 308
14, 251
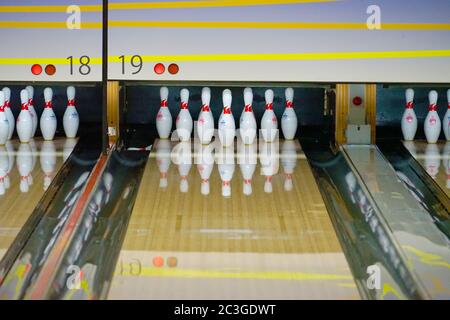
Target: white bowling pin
48, 117
227, 126
181, 155
446, 119
247, 123
288, 161
184, 121
4, 124
71, 120
205, 165
226, 166
409, 119
432, 160
269, 159
24, 164
24, 123
247, 159
205, 122
163, 117
33, 113
163, 149
289, 121
4, 168
432, 126
48, 162
9, 114
269, 122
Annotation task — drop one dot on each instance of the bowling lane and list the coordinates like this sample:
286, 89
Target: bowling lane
435, 159
27, 171
271, 238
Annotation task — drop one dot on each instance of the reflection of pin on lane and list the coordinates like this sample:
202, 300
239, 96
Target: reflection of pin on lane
226, 169
205, 165
163, 161
446, 162
181, 155
409, 119
432, 159
48, 162
247, 158
4, 167
24, 165
288, 161
432, 126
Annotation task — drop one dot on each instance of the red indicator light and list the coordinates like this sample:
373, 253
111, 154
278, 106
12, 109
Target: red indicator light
173, 68
50, 69
357, 101
172, 262
158, 261
159, 68
36, 69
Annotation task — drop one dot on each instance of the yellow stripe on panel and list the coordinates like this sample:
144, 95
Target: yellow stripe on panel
292, 56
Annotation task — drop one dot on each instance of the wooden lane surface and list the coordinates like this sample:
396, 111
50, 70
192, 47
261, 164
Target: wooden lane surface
264, 240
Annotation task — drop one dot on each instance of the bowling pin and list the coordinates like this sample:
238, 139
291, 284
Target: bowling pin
33, 113
247, 122
184, 120
269, 122
48, 117
163, 161
205, 165
4, 124
289, 118
432, 160
164, 118
24, 164
71, 119
226, 166
205, 122
24, 123
181, 155
9, 114
48, 162
227, 126
247, 159
432, 126
409, 119
288, 161
446, 119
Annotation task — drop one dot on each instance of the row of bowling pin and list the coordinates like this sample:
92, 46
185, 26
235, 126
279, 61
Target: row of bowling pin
432, 125
432, 159
27, 121
247, 158
26, 158
227, 126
